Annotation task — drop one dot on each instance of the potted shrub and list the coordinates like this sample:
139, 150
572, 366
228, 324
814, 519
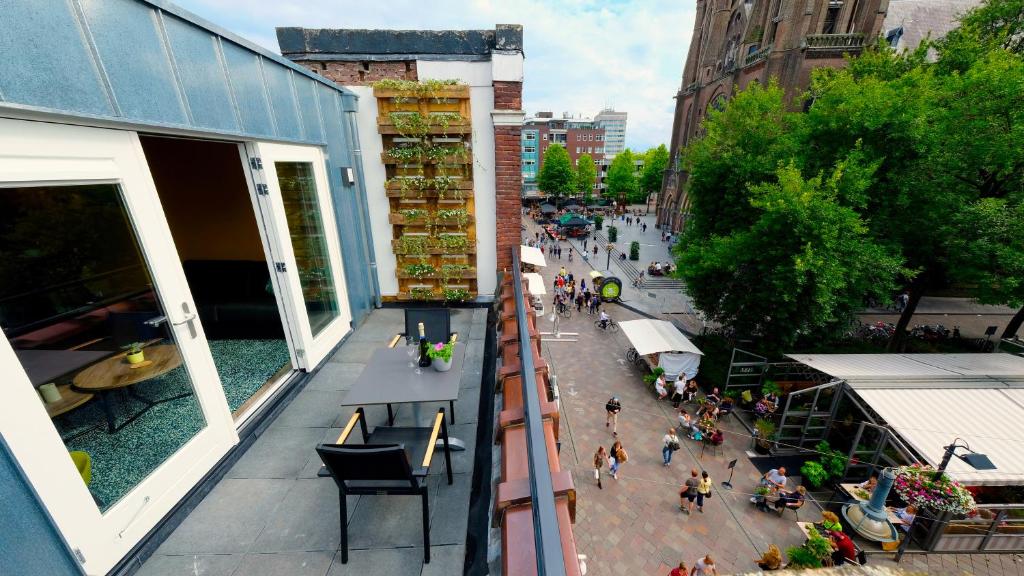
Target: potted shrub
613, 234
917, 486
134, 354
634, 250
598, 221
441, 355
655, 373
813, 554
814, 473
765, 430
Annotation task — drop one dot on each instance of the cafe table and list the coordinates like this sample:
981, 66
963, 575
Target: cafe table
388, 379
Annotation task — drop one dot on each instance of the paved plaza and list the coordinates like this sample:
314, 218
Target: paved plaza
633, 525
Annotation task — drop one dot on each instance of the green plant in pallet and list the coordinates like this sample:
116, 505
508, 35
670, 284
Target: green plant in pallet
419, 89
418, 153
456, 294
451, 272
414, 244
419, 270
452, 242
459, 215
421, 293
414, 214
414, 124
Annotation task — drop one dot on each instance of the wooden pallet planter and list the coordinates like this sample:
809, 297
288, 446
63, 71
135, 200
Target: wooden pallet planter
444, 120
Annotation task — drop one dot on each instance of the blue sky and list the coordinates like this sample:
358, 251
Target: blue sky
581, 55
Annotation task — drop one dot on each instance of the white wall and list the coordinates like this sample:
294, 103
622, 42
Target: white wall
376, 197
481, 102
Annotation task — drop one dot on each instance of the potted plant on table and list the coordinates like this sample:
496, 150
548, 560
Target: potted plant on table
134, 354
441, 355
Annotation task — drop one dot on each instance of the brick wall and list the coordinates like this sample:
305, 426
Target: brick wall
364, 72
508, 173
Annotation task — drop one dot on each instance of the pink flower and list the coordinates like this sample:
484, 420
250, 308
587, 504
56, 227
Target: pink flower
439, 346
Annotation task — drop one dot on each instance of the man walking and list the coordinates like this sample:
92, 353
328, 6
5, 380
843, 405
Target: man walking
613, 407
689, 492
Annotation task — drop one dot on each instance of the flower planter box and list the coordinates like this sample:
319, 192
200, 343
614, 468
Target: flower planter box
469, 274
463, 126
469, 249
456, 185
453, 159
458, 92
401, 220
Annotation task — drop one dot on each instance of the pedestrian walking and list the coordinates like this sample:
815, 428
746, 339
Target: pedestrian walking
901, 301
570, 255
558, 252
595, 250
536, 236
679, 570
680, 390
669, 444
613, 407
584, 244
688, 492
703, 490
600, 457
618, 458
579, 302
583, 284
704, 567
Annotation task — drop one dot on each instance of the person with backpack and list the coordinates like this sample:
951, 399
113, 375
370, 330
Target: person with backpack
669, 444
618, 458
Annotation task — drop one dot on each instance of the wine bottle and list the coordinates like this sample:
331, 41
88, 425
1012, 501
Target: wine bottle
424, 359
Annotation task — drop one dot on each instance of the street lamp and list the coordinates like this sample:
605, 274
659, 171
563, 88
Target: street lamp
974, 459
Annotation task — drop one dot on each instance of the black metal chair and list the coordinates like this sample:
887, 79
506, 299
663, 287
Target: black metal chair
391, 461
437, 323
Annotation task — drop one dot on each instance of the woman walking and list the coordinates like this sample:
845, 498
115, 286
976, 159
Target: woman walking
703, 490
618, 458
669, 444
688, 492
600, 457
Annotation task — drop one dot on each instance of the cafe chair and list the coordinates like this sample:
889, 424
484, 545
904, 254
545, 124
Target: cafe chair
437, 323
391, 461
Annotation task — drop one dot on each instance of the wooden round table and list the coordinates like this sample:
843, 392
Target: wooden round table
69, 400
116, 373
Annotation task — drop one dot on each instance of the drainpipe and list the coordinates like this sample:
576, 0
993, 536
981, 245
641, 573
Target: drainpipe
352, 134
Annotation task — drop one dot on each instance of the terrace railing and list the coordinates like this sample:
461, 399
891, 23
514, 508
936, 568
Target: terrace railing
757, 56
834, 41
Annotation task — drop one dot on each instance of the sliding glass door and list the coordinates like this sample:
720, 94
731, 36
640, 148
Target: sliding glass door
298, 219
112, 404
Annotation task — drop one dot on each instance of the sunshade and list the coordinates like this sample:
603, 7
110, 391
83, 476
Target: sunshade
653, 336
531, 255
574, 222
536, 283
594, 274
547, 208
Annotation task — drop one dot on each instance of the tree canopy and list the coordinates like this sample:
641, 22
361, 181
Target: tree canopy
586, 176
620, 183
556, 177
920, 161
655, 163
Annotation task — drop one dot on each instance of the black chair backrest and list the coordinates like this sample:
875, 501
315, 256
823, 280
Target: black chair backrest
388, 462
437, 323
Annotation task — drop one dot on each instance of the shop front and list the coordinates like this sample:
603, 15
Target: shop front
175, 252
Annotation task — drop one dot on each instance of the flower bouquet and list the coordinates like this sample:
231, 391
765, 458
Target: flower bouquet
916, 485
441, 354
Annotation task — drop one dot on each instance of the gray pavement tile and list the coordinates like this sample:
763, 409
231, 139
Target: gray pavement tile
311, 409
199, 565
378, 330
356, 351
450, 514
307, 519
445, 561
229, 519
393, 562
467, 410
388, 522
278, 453
286, 564
335, 376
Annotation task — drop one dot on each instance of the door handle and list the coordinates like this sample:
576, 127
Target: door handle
187, 319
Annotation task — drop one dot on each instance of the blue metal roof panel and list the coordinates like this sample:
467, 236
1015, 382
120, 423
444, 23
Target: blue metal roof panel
202, 75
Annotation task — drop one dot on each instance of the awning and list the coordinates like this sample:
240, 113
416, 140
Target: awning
535, 283
548, 209
990, 421
531, 255
574, 222
914, 366
652, 336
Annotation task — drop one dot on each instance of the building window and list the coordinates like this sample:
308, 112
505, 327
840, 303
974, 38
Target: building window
590, 150
531, 136
830, 17
545, 137
530, 149
577, 149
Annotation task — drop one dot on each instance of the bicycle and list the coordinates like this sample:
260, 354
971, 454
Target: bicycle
611, 327
564, 310
634, 357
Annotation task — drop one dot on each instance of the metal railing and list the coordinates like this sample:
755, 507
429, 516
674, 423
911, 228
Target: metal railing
833, 41
757, 56
546, 532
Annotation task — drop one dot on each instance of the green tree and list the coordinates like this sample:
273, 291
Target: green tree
621, 183
802, 268
655, 163
586, 176
556, 177
743, 144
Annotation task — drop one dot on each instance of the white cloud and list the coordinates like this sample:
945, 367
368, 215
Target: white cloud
581, 55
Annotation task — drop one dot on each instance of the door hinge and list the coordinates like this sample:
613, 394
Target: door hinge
256, 163
79, 555
280, 267
262, 189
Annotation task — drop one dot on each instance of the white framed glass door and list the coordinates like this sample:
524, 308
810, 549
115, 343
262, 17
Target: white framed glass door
112, 405
298, 218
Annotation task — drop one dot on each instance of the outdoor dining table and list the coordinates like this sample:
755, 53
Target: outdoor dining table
388, 379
